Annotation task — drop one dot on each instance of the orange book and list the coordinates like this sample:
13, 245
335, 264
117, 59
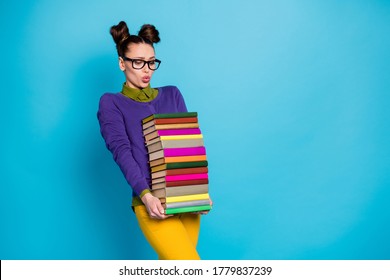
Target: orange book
177, 159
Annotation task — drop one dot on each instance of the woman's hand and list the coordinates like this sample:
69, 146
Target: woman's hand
154, 207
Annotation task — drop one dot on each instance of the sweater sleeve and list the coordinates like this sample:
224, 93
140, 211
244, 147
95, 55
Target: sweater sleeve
112, 128
180, 103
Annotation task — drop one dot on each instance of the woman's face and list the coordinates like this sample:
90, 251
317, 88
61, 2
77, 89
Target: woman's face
137, 78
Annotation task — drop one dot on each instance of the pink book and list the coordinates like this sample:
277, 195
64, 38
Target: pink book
185, 177
186, 151
184, 131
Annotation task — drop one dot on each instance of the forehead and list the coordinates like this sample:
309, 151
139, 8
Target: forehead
140, 50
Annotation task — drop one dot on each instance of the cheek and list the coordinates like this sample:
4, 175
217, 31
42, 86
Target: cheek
131, 73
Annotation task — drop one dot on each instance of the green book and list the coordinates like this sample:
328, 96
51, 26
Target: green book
187, 209
170, 115
176, 165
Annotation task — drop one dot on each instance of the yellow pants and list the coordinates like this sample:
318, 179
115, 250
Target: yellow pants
174, 238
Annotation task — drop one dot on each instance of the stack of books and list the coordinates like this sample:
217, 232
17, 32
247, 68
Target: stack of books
178, 162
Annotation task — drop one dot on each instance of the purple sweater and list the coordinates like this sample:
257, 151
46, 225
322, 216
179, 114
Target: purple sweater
120, 120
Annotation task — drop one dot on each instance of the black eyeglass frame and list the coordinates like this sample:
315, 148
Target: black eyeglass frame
125, 58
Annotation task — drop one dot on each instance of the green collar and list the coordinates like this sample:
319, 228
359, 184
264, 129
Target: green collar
141, 95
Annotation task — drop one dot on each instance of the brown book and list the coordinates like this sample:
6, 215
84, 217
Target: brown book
157, 144
178, 171
180, 190
179, 183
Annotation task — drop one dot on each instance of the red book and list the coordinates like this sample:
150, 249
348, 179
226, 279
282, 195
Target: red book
178, 171
185, 177
170, 121
187, 182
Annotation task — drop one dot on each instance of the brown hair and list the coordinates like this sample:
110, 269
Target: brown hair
148, 34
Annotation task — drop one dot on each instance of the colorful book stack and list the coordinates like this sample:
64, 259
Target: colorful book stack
178, 161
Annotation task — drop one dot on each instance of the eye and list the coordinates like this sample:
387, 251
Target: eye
152, 62
138, 62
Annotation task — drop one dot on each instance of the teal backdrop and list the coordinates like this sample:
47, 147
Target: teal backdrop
293, 100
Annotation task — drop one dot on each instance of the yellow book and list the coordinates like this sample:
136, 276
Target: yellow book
181, 137
190, 197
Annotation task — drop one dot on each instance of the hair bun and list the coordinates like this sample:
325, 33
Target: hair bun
150, 33
120, 32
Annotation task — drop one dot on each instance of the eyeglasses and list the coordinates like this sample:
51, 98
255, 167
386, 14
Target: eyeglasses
139, 63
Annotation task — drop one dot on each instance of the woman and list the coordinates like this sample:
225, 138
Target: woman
120, 115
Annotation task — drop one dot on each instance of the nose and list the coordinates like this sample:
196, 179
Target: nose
146, 68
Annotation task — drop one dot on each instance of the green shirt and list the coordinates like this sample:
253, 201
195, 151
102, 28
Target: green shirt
141, 95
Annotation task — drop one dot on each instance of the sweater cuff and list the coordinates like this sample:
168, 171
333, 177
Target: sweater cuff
145, 191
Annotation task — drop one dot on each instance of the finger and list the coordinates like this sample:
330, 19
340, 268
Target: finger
166, 216
162, 216
155, 213
159, 213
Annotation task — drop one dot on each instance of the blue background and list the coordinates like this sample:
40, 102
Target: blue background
293, 101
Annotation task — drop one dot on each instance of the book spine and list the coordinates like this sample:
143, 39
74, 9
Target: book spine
172, 115
186, 177
179, 191
187, 209
176, 120
188, 203
185, 158
169, 121
186, 182
187, 190
182, 198
177, 152
176, 115
175, 165
179, 131
193, 170
158, 129
158, 180
160, 193
179, 171
174, 126
187, 164
181, 137
186, 151
158, 143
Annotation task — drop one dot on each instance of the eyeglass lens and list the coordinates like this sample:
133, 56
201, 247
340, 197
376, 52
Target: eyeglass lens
139, 64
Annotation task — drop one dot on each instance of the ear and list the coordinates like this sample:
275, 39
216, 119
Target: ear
122, 64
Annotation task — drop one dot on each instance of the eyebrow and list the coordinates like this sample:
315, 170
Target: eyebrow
142, 57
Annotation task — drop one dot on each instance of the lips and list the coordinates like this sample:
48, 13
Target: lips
146, 79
